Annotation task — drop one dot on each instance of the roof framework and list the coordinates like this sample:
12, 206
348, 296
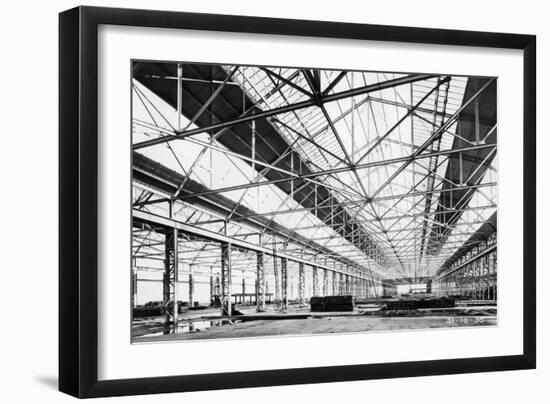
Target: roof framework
380, 173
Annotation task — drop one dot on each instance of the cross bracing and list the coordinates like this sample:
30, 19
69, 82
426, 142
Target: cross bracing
384, 174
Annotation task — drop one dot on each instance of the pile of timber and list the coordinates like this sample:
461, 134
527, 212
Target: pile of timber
331, 303
155, 309
413, 304
148, 311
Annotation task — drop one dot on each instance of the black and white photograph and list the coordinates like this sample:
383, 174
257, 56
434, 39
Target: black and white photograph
276, 202
273, 201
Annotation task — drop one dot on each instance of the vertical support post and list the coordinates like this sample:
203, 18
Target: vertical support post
473, 279
470, 279
486, 277
349, 284
478, 278
218, 288
345, 284
334, 284
178, 94
134, 288
175, 236
260, 273
225, 297
212, 286
495, 271
491, 270
301, 284
465, 272
315, 282
170, 280
456, 282
276, 274
325, 282
191, 287
460, 281
284, 284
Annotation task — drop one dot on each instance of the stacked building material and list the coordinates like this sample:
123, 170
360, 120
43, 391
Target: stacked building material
331, 303
317, 303
148, 311
155, 309
412, 304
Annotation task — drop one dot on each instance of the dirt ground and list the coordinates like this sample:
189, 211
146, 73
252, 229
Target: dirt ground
319, 324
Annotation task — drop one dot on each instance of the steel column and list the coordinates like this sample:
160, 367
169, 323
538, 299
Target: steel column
315, 282
260, 303
191, 286
301, 284
284, 284
276, 275
212, 287
170, 280
225, 297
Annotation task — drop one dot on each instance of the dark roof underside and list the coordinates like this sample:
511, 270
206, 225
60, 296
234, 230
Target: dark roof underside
466, 128
270, 145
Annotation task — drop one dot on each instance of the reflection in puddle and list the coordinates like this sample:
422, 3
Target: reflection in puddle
193, 326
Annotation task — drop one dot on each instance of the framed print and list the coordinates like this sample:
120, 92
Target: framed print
250, 201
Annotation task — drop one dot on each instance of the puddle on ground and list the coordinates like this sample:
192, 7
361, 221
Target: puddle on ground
193, 326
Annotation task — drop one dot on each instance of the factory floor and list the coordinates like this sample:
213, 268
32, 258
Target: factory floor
207, 323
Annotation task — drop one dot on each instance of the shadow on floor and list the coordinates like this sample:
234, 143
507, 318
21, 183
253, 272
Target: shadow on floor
48, 381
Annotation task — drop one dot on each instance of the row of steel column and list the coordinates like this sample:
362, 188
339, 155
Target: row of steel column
476, 279
342, 284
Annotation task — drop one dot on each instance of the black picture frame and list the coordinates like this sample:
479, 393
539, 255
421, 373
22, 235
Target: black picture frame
78, 203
